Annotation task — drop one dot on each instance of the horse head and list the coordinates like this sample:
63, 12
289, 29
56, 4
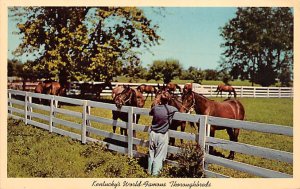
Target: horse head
159, 94
141, 88
187, 88
188, 101
123, 98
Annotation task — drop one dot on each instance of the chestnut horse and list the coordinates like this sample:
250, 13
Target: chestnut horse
225, 88
187, 87
173, 101
128, 97
117, 90
172, 87
230, 108
148, 89
51, 87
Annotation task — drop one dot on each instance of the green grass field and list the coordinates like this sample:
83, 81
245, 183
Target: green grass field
178, 81
275, 111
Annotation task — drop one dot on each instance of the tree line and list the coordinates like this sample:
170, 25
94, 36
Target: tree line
160, 70
101, 43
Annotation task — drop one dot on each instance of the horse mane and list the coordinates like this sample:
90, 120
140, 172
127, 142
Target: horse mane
201, 95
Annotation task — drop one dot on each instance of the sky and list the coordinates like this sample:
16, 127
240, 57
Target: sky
191, 35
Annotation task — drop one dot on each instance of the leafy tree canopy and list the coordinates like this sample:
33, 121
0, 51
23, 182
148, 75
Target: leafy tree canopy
258, 44
164, 70
83, 43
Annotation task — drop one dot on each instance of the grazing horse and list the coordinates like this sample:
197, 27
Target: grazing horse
230, 108
173, 101
128, 97
173, 86
148, 89
225, 88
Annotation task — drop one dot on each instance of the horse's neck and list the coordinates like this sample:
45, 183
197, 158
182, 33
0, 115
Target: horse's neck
176, 103
202, 104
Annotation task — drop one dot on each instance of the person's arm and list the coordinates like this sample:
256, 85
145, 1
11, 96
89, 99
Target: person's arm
151, 111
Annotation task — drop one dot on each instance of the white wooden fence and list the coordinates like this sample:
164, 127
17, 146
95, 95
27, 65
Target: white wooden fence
210, 90
24, 100
207, 90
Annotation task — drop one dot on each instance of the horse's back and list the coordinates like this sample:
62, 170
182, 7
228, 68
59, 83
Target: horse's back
237, 107
39, 88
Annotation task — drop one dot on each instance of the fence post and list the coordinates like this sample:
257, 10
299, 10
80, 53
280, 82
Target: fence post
268, 92
29, 108
254, 92
130, 132
242, 91
9, 103
211, 91
88, 122
26, 107
202, 138
83, 126
51, 114
279, 92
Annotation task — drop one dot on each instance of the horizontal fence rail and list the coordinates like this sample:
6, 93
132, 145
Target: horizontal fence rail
21, 106
207, 90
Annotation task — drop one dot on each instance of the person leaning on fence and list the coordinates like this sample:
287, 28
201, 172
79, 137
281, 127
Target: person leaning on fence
159, 138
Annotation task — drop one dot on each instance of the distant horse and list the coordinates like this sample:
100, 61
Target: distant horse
58, 89
173, 86
128, 97
148, 89
43, 88
225, 88
229, 108
173, 101
94, 88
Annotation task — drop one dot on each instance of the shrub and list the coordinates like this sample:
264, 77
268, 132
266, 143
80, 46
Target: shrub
190, 163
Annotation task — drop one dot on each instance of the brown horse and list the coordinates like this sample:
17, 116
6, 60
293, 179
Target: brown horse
57, 89
43, 88
128, 97
229, 108
187, 88
172, 87
148, 89
225, 88
173, 101
117, 90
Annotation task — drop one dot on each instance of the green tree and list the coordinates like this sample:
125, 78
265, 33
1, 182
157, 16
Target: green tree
196, 74
211, 74
164, 70
83, 43
258, 42
14, 68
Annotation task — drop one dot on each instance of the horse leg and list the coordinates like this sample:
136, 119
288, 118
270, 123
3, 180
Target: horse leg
211, 134
233, 136
115, 117
183, 123
147, 96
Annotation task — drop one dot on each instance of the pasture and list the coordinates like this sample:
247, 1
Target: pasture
276, 111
